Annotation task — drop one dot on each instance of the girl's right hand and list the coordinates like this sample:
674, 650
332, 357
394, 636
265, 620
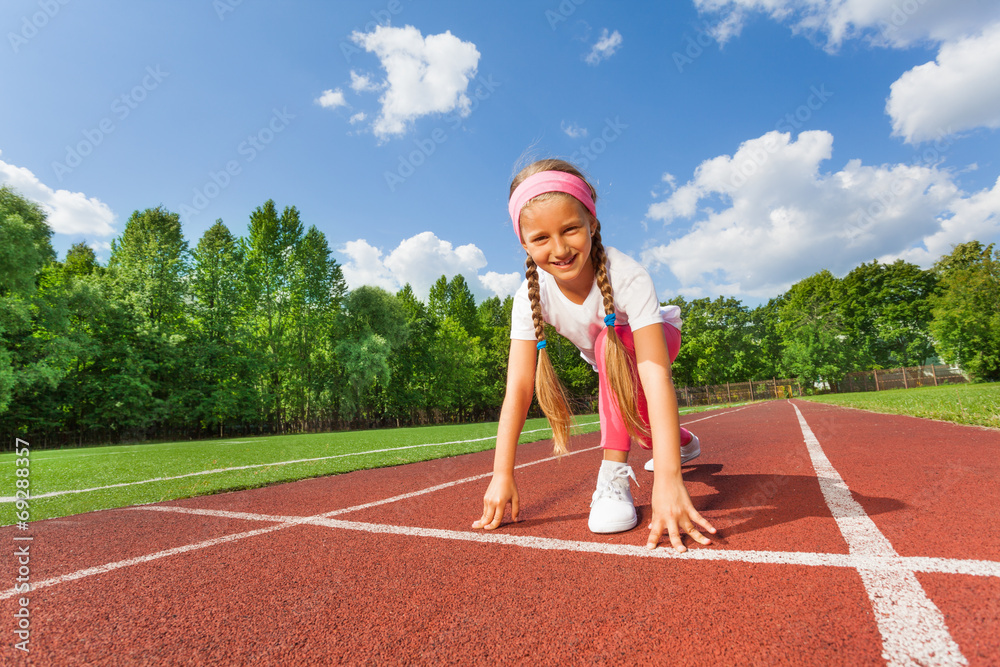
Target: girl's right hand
502, 490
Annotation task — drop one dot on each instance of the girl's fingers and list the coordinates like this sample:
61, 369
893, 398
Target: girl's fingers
703, 522
698, 537
675, 539
485, 519
655, 533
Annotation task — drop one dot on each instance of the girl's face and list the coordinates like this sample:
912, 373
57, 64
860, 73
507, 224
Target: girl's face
557, 233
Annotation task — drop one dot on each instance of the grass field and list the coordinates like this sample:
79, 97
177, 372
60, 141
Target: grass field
975, 404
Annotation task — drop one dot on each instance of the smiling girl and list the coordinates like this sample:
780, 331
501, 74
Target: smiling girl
604, 302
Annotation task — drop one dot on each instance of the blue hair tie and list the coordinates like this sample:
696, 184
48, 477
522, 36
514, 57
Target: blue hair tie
609, 320
540, 344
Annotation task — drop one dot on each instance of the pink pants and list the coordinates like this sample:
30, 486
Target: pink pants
614, 435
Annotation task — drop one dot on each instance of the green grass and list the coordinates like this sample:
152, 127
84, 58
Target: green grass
91, 467
975, 404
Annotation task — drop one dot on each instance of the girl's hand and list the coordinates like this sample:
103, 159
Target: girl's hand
674, 513
502, 490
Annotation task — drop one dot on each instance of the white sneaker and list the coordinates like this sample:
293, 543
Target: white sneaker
612, 510
692, 450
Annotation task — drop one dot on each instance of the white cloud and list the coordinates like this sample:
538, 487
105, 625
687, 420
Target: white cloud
424, 75
891, 23
604, 48
501, 284
358, 117
361, 83
331, 99
420, 260
67, 212
767, 216
573, 130
959, 91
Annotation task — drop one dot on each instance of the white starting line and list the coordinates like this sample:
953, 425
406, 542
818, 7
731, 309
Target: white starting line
913, 629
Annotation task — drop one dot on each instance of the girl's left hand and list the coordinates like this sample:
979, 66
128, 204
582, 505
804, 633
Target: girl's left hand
674, 513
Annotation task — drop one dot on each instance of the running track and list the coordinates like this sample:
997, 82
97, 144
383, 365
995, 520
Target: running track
845, 537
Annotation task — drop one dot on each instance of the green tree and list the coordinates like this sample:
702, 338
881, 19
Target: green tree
453, 299
149, 262
966, 309
269, 271
34, 353
413, 365
457, 380
316, 291
886, 313
811, 326
375, 328
221, 363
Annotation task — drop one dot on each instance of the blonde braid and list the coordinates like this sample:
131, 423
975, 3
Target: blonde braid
549, 390
621, 371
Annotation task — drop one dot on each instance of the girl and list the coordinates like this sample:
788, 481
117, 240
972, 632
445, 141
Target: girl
604, 302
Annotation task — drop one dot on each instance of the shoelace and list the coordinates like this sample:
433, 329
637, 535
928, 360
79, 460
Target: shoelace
614, 485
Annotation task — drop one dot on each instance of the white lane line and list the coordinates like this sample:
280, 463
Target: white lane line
975, 568
286, 522
887, 566
108, 567
10, 499
713, 416
913, 629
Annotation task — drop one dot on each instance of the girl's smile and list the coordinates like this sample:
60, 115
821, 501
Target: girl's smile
556, 233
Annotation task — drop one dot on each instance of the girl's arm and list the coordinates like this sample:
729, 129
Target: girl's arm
673, 511
517, 400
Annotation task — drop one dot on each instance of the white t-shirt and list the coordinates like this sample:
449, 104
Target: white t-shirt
635, 305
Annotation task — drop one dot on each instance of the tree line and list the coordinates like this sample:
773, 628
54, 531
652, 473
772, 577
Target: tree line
260, 334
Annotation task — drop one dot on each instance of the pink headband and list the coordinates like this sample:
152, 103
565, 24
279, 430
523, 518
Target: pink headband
548, 181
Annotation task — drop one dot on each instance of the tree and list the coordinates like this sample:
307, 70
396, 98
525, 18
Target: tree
811, 326
149, 262
458, 373
33, 318
966, 309
886, 313
221, 363
375, 328
81, 260
269, 270
317, 289
453, 299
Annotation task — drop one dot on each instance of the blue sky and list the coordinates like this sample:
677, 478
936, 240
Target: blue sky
737, 146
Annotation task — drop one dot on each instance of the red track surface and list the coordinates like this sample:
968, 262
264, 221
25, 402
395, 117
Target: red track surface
408, 581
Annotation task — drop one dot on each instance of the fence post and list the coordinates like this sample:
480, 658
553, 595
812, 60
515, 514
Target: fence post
905, 385
876, 379
729, 396
751, 390
934, 373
